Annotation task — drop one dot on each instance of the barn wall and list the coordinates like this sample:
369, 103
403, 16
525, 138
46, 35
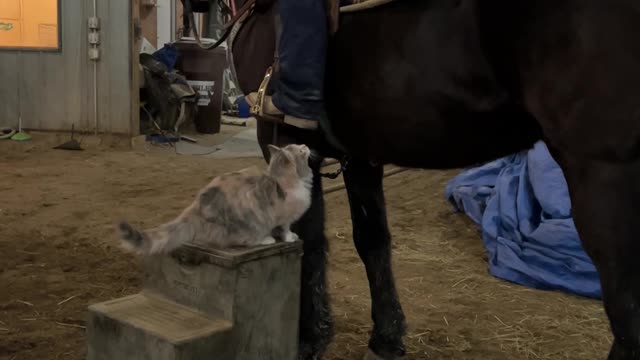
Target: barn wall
149, 21
114, 70
53, 90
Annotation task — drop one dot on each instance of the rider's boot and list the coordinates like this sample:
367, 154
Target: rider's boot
299, 87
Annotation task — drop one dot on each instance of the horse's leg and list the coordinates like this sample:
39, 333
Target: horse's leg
316, 324
373, 242
605, 200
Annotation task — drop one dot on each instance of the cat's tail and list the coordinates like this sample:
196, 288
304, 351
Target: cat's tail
162, 239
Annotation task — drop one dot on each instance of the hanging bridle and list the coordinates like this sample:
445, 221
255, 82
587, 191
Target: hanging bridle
228, 26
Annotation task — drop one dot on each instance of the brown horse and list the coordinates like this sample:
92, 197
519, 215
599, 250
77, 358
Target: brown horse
443, 84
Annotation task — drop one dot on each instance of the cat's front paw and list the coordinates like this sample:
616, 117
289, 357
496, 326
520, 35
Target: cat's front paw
291, 237
267, 241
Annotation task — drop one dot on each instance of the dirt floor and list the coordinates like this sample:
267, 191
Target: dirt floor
58, 255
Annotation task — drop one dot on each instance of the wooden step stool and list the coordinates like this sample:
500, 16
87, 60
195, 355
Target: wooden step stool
236, 304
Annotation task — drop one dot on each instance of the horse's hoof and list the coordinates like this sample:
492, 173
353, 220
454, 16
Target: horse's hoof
307, 353
370, 355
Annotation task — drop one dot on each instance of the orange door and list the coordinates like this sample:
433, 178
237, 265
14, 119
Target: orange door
29, 23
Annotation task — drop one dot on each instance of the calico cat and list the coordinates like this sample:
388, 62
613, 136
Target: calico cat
237, 209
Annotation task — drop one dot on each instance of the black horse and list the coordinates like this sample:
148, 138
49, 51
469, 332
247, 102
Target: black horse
444, 84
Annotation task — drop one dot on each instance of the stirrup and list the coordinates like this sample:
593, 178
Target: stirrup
258, 108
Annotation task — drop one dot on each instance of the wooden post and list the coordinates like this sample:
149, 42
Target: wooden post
136, 39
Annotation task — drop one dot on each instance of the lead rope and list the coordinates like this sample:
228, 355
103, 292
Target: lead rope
344, 163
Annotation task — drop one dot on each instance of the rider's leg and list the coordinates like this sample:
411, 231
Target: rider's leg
302, 56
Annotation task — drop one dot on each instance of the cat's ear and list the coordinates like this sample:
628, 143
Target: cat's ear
273, 150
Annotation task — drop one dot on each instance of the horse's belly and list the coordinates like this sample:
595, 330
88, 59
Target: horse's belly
409, 84
420, 140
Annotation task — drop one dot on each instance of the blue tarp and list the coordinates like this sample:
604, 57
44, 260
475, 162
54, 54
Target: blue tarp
521, 203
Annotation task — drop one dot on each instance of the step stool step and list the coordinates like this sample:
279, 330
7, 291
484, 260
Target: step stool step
146, 326
211, 280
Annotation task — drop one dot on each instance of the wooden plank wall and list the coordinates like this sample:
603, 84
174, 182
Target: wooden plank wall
114, 68
53, 90
149, 20
9, 89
